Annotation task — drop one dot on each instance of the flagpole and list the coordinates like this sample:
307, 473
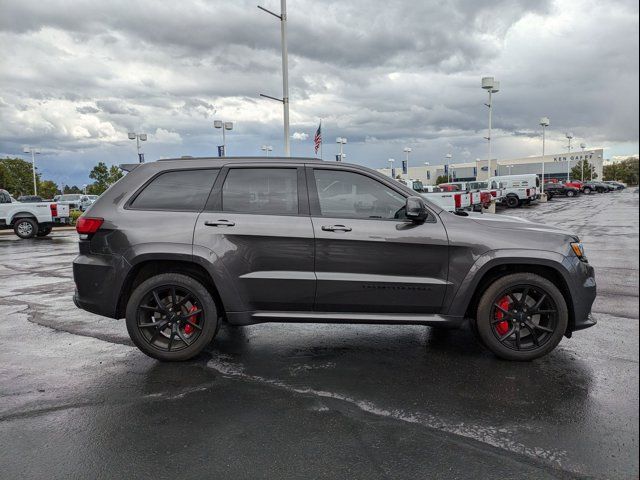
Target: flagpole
321, 142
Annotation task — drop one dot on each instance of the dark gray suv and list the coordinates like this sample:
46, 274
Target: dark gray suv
179, 246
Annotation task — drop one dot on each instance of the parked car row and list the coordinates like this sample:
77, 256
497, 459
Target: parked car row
574, 188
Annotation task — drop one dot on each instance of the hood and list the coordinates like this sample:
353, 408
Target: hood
508, 222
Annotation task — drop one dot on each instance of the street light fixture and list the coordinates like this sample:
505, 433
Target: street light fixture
224, 126
448, 156
492, 86
582, 146
33, 151
569, 136
407, 151
266, 149
544, 123
341, 141
138, 137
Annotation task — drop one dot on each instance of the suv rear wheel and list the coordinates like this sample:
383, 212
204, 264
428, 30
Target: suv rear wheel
521, 317
171, 317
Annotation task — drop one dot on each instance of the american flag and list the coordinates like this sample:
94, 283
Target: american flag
317, 140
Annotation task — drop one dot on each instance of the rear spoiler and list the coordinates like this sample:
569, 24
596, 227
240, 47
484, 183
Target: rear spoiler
128, 167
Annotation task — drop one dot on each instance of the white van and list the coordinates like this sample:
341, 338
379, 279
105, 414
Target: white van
518, 189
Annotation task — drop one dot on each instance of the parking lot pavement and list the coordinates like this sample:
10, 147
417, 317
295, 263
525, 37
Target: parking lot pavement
319, 401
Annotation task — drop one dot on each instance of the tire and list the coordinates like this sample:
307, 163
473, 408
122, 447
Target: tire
571, 193
512, 201
184, 334
528, 340
25, 228
587, 191
43, 232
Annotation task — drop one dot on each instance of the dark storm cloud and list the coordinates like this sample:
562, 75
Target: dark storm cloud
384, 74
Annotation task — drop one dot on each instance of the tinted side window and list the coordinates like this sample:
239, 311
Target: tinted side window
180, 190
353, 195
267, 191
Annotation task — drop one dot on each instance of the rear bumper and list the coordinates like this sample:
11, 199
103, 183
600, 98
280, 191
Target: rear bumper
98, 280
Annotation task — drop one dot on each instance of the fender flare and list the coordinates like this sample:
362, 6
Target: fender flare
18, 215
462, 297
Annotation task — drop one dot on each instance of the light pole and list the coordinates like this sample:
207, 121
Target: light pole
569, 136
407, 151
266, 149
492, 86
224, 126
33, 151
448, 156
138, 137
582, 146
341, 141
391, 160
426, 164
509, 167
285, 72
544, 123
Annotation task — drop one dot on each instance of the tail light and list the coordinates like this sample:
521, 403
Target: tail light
528, 192
88, 225
494, 193
471, 198
457, 198
54, 209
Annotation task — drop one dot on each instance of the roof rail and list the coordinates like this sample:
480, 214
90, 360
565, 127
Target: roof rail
128, 167
244, 159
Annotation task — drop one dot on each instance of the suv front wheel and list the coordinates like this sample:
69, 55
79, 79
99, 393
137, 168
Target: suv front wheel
171, 317
522, 316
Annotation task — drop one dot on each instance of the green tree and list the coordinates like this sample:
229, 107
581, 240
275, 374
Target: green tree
47, 189
586, 167
442, 179
625, 171
16, 176
103, 177
72, 189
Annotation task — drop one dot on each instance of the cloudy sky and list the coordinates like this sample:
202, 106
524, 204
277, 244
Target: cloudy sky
76, 76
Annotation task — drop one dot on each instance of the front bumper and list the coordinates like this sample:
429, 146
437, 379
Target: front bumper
583, 294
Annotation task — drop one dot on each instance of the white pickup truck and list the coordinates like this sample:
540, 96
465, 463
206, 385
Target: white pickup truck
31, 219
450, 201
519, 189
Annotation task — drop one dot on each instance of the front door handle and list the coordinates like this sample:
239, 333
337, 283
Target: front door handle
219, 223
336, 228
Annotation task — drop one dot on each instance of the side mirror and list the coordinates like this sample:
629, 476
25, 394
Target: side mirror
416, 210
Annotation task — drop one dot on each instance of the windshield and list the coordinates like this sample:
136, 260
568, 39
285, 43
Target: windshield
418, 186
477, 185
66, 198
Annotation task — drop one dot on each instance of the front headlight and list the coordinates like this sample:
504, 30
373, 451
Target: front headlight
578, 249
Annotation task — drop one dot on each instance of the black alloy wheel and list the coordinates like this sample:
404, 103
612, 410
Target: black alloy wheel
587, 191
521, 316
171, 317
571, 193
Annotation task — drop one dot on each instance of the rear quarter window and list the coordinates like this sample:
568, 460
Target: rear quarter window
182, 190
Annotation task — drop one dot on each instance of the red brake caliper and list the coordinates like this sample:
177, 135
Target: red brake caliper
503, 326
188, 329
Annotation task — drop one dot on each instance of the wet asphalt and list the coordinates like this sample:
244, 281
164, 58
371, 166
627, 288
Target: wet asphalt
319, 401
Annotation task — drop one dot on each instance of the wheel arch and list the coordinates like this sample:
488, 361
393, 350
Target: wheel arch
148, 267
469, 297
19, 215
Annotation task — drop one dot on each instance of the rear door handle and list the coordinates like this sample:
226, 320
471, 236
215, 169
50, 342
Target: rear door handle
220, 223
336, 228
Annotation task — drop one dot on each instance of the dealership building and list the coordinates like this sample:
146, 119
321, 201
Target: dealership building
556, 166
